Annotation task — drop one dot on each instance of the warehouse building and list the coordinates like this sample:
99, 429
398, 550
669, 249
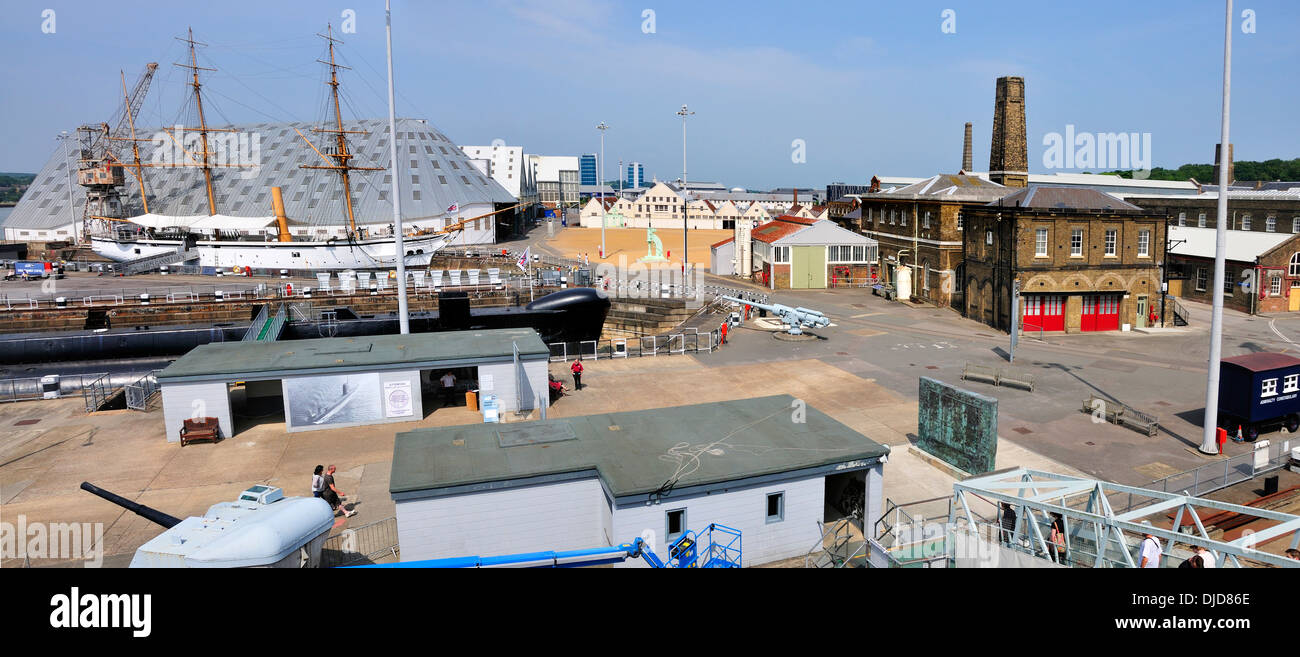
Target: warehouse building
799, 253
330, 383
769, 466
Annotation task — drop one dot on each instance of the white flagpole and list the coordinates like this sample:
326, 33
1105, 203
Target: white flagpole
1211, 423
403, 313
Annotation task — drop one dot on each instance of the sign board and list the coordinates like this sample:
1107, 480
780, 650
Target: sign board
958, 426
397, 399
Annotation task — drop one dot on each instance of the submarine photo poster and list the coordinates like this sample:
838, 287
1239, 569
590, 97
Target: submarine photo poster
340, 399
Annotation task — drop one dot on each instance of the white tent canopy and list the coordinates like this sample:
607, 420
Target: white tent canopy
203, 222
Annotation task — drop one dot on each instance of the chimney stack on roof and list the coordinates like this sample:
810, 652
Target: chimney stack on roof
967, 157
1009, 155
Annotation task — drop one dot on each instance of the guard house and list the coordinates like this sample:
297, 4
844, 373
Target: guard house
329, 383
768, 466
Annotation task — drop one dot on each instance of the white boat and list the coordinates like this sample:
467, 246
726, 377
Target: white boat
318, 255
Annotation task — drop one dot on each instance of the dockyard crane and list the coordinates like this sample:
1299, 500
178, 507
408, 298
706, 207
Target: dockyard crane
100, 169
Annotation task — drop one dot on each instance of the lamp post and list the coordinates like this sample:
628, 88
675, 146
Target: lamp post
684, 112
67, 156
1208, 443
600, 182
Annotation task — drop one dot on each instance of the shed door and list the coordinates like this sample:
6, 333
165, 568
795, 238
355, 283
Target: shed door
1293, 301
808, 267
1100, 312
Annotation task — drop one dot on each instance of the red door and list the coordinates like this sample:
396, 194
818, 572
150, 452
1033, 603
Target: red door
1100, 312
1044, 311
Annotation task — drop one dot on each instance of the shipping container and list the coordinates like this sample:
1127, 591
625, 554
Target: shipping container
1258, 393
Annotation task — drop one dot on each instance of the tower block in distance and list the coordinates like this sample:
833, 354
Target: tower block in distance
1009, 155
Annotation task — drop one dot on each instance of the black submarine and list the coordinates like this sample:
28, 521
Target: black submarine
571, 315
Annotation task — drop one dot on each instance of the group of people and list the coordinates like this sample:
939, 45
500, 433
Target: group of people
322, 486
557, 387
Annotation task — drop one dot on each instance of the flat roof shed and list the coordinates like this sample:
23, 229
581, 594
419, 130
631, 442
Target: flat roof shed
762, 465
332, 382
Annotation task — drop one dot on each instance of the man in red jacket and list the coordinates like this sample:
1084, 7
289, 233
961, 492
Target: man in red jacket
576, 368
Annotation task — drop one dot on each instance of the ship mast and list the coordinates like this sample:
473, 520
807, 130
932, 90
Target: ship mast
206, 163
340, 155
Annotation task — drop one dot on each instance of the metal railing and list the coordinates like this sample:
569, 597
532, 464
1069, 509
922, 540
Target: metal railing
1215, 476
259, 322
687, 342
364, 544
97, 392
139, 392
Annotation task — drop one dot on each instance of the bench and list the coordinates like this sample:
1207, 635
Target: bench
998, 376
1122, 414
207, 428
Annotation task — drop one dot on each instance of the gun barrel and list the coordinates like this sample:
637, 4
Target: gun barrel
751, 303
148, 513
808, 311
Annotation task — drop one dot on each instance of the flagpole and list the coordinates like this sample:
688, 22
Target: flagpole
403, 312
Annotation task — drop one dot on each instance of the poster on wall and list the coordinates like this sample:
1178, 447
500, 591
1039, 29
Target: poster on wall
321, 401
397, 399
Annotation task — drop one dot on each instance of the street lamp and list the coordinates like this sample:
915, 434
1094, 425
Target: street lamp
684, 112
64, 137
600, 181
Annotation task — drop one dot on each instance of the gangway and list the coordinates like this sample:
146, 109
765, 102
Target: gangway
266, 327
721, 549
149, 263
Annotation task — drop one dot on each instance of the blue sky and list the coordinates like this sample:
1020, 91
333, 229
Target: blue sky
870, 87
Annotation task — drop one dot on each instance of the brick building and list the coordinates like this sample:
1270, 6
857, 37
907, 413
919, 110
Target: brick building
1086, 261
920, 226
1263, 210
1272, 259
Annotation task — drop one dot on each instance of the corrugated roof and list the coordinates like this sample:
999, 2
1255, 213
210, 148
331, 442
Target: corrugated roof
775, 230
435, 174
825, 232
1240, 245
1063, 198
718, 244
956, 187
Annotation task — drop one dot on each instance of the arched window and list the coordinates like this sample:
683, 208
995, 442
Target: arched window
1294, 269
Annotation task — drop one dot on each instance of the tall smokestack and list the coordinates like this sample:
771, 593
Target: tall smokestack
1218, 151
1009, 155
967, 157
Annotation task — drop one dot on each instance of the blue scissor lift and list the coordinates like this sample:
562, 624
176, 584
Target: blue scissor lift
718, 546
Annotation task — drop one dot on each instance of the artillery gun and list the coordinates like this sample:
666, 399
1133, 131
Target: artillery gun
796, 318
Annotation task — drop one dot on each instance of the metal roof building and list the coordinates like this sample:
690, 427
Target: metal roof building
596, 480
435, 174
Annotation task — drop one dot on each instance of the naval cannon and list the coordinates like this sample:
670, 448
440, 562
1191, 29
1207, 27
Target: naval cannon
797, 318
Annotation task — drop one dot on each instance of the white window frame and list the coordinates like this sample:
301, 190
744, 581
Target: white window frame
927, 220
1144, 244
1112, 242
1202, 279
1274, 286
1268, 388
1200, 220
1076, 242
1245, 222
1182, 219
1270, 224
1040, 242
1295, 224
1291, 383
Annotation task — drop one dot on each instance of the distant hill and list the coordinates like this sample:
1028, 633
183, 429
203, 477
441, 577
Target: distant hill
1243, 170
12, 186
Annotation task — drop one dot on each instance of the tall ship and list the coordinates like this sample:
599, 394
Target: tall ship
327, 186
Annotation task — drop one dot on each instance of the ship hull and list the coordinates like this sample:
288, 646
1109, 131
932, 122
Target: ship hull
363, 254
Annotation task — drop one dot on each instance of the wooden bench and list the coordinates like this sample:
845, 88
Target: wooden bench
998, 376
1121, 414
207, 428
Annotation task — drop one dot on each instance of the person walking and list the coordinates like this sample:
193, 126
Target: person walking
1008, 523
333, 495
1150, 550
576, 368
317, 481
1057, 539
1195, 561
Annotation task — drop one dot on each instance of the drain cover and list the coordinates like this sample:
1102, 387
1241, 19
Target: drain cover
1023, 430
1091, 443
23, 423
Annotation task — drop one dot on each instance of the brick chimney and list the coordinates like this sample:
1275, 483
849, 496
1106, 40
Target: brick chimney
1009, 155
967, 157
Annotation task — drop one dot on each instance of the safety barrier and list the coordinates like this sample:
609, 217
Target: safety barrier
111, 299
141, 390
367, 543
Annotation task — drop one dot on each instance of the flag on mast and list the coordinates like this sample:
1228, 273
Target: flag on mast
523, 259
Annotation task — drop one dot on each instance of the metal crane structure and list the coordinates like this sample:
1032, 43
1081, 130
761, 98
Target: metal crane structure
721, 549
796, 318
100, 167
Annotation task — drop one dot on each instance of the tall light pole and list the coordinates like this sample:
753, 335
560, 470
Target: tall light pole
1208, 443
686, 228
403, 316
600, 182
67, 156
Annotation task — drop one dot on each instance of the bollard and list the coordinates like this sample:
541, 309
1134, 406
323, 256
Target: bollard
218, 296
163, 270
144, 299
374, 290
306, 292
284, 273
220, 273
61, 302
